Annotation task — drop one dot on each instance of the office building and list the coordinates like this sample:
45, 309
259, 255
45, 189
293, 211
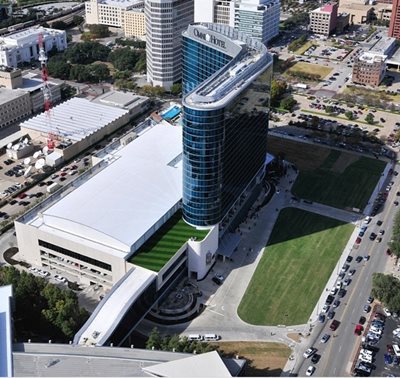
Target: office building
125, 14
23, 46
323, 19
20, 96
226, 82
369, 69
394, 27
165, 22
134, 23
215, 11
359, 13
258, 18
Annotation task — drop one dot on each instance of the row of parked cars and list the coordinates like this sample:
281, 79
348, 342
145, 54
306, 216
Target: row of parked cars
366, 357
44, 273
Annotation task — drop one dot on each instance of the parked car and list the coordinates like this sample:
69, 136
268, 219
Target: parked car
334, 325
325, 338
309, 352
310, 371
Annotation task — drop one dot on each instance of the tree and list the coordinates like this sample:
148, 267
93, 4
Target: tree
77, 20
176, 89
154, 340
278, 89
86, 53
349, 115
370, 118
42, 308
124, 58
288, 103
387, 289
395, 242
329, 109
60, 25
59, 68
99, 72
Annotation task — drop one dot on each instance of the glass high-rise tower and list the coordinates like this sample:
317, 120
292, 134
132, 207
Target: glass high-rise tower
226, 86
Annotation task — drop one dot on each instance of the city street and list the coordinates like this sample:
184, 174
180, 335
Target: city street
338, 353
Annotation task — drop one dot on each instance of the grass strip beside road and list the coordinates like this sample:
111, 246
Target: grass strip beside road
323, 114
264, 359
300, 256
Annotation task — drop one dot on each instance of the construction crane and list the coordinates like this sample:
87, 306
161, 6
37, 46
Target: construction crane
46, 91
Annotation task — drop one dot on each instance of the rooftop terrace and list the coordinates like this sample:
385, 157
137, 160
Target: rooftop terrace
159, 249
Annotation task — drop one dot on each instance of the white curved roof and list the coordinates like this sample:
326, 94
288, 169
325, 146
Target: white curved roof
121, 203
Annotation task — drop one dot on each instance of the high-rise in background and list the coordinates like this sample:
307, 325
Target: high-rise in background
165, 22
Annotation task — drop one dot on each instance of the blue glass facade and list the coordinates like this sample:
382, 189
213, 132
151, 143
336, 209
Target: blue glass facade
224, 146
199, 62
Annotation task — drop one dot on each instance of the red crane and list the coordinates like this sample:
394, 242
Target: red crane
46, 90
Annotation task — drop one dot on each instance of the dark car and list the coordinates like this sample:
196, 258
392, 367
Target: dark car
372, 236
370, 299
334, 325
217, 280
362, 320
331, 314
329, 299
349, 259
359, 259
367, 308
379, 223
342, 293
336, 303
321, 318
315, 358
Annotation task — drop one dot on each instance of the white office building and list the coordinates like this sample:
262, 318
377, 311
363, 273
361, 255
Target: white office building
23, 46
165, 22
258, 18
126, 14
215, 11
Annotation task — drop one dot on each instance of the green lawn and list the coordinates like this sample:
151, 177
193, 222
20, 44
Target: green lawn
310, 68
159, 249
297, 262
347, 189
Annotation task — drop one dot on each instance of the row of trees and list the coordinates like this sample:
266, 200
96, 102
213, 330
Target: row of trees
279, 99
304, 75
176, 343
42, 310
297, 43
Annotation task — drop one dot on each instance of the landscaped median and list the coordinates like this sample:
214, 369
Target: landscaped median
159, 249
300, 256
323, 114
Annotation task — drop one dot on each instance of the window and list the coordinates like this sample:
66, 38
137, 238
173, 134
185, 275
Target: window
75, 255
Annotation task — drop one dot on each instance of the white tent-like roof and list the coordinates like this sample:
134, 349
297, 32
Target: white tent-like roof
121, 203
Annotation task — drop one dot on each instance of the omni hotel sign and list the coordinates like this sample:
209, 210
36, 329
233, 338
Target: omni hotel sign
209, 38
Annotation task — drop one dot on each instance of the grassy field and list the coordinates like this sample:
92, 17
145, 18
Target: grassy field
264, 359
376, 94
297, 262
347, 183
305, 47
158, 250
310, 68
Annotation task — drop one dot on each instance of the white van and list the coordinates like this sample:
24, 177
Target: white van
211, 337
396, 350
195, 337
